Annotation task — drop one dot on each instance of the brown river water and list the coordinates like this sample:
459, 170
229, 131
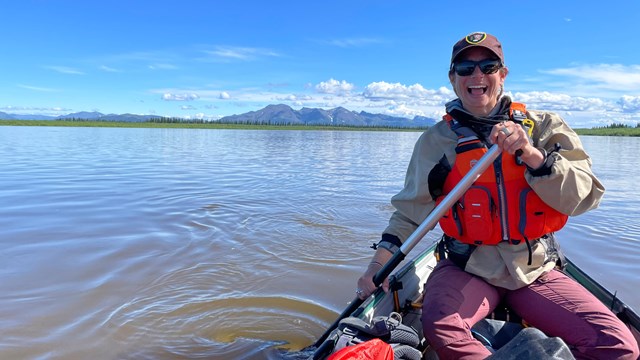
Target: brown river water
224, 244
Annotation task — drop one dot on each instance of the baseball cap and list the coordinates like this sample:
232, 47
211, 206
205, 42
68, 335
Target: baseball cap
482, 39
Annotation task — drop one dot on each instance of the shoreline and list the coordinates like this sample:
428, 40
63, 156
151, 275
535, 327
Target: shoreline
609, 131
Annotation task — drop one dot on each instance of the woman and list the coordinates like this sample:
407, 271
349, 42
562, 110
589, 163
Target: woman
498, 243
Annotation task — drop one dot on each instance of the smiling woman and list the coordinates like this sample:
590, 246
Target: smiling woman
499, 243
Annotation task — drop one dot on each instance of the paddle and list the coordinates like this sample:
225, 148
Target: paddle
427, 225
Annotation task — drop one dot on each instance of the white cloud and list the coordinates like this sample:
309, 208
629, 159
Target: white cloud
614, 77
630, 104
65, 70
180, 97
579, 108
240, 53
53, 111
108, 69
353, 42
292, 97
584, 112
334, 87
162, 66
416, 93
37, 88
403, 110
159, 57
201, 116
545, 100
384, 90
187, 107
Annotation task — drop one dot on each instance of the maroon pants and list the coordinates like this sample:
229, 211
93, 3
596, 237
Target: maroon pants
557, 305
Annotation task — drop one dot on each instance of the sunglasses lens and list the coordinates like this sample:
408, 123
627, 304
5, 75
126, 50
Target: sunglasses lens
466, 68
489, 66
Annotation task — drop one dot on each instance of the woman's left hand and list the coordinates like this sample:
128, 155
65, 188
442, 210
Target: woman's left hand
511, 137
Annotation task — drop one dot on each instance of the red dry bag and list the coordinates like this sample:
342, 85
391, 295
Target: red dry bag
374, 349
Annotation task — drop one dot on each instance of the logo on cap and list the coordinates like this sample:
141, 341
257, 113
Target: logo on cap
476, 38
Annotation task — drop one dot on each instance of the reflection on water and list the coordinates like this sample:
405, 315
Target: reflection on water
222, 244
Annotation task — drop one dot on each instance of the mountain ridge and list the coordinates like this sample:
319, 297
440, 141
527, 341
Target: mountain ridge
280, 114
274, 114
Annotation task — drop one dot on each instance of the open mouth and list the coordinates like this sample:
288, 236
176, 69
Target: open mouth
477, 89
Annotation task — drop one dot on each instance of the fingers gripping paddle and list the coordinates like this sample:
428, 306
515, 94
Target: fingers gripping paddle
427, 225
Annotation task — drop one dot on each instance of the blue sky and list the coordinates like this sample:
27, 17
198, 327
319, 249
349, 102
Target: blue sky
208, 59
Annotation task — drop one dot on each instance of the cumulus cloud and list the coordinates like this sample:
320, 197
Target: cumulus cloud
224, 95
403, 110
381, 91
553, 101
180, 97
335, 87
21, 109
295, 98
629, 104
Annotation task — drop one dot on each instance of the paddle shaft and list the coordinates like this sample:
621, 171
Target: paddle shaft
427, 225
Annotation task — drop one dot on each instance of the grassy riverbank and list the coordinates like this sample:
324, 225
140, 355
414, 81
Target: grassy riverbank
186, 125
626, 131
615, 130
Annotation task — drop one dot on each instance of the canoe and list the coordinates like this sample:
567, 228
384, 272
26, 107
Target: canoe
404, 299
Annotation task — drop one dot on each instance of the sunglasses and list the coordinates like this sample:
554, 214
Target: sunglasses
466, 68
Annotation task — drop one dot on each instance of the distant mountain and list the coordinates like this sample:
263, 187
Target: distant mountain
83, 115
6, 116
283, 114
279, 114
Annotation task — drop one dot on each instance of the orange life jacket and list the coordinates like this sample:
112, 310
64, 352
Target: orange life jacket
500, 205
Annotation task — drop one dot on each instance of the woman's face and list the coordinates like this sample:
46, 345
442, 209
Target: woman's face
478, 92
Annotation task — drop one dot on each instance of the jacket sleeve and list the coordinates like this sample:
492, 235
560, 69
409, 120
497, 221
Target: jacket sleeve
414, 202
569, 185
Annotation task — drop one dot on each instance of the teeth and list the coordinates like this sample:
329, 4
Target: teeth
472, 87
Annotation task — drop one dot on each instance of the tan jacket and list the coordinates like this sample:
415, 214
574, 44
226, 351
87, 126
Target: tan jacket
571, 188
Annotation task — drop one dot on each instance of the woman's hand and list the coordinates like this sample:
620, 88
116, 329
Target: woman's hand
511, 137
366, 287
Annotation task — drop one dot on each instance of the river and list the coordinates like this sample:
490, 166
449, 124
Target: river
224, 244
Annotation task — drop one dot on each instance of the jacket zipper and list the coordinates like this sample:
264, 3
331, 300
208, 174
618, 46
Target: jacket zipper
502, 198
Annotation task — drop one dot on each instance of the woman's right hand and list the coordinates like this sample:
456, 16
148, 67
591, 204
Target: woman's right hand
366, 287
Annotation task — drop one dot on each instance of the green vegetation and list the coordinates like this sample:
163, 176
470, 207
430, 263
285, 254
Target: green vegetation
610, 130
195, 124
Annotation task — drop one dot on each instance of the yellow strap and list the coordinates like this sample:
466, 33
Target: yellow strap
529, 124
